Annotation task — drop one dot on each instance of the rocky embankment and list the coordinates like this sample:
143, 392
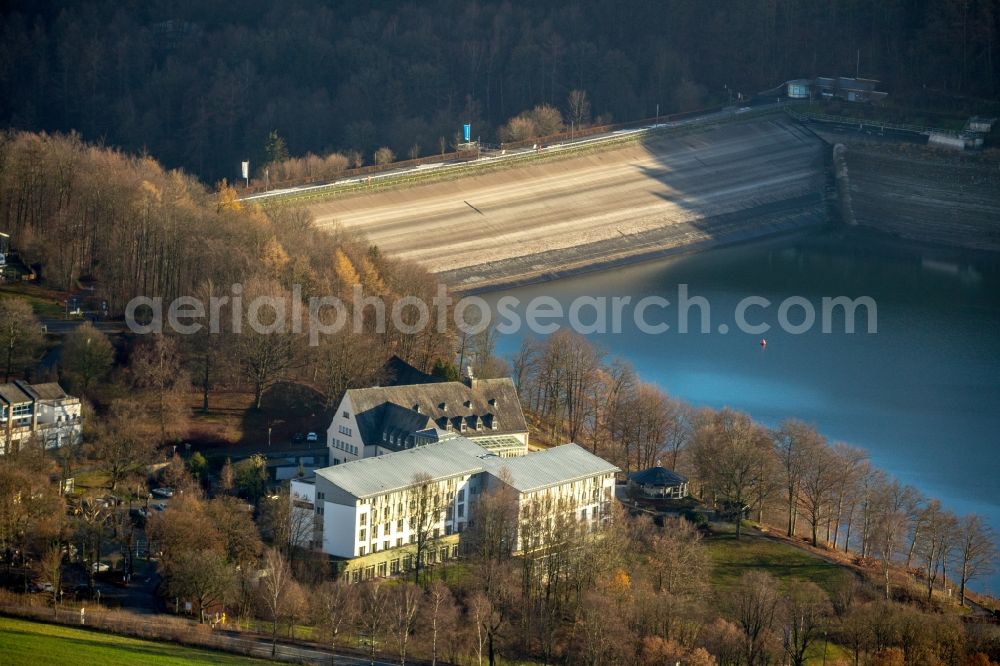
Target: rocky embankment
676, 193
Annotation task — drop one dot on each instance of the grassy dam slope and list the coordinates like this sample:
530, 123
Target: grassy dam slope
718, 184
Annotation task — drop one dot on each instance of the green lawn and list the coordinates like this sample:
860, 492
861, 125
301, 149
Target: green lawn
24, 643
44, 302
731, 559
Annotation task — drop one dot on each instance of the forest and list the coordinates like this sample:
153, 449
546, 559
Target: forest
203, 85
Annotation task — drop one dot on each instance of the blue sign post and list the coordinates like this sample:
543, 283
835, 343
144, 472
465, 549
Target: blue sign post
467, 132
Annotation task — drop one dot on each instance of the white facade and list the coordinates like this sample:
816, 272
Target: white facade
343, 437
380, 420
43, 412
379, 504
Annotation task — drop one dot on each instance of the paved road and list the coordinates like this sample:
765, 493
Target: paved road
67, 325
561, 204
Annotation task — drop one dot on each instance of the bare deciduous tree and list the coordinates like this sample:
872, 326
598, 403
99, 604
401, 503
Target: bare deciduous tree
373, 615
727, 448
335, 606
755, 605
976, 549
20, 335
805, 611
404, 602
275, 591
87, 355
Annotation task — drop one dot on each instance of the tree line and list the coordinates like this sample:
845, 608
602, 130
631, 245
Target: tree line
130, 228
202, 87
789, 476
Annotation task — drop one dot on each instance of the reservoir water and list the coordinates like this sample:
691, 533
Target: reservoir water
922, 394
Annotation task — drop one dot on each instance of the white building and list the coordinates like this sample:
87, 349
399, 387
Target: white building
372, 510
375, 421
41, 411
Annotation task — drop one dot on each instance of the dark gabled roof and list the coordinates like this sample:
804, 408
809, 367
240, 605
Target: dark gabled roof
13, 394
657, 476
397, 372
47, 391
391, 409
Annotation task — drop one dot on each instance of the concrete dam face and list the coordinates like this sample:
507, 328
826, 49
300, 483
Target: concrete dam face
667, 194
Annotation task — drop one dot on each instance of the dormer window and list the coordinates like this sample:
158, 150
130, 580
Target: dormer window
443, 406
493, 402
416, 408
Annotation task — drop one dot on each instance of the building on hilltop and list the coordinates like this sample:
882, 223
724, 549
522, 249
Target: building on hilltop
380, 513
375, 421
38, 411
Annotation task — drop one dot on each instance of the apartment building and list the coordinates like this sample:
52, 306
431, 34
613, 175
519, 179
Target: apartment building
373, 512
41, 411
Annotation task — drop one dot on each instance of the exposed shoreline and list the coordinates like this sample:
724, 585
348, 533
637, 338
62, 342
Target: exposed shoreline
661, 243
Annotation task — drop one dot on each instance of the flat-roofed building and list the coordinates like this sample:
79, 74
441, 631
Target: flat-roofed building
376, 511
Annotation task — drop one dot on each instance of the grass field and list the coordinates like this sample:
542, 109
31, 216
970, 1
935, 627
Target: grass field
26, 643
731, 559
45, 302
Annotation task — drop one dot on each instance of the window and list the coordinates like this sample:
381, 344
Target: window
361, 552
394, 567
583, 514
356, 575
320, 495
437, 532
461, 495
381, 570
454, 551
413, 538
375, 546
407, 561
386, 529
362, 519
399, 542
319, 510
386, 545
399, 525
362, 535
346, 415
461, 511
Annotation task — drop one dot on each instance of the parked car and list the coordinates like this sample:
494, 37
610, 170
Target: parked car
312, 437
163, 492
159, 506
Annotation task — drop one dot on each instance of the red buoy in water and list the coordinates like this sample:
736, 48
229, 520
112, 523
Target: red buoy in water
763, 343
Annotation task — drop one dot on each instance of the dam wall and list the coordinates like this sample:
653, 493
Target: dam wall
919, 192
719, 184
